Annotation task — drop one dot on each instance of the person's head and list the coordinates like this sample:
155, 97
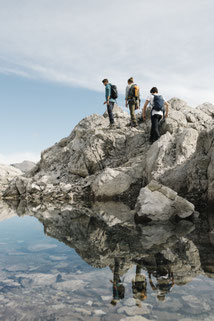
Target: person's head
143, 296
154, 90
113, 302
105, 82
130, 80
140, 296
161, 297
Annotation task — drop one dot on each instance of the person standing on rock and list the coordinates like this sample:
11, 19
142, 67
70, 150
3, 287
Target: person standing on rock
132, 98
158, 105
110, 96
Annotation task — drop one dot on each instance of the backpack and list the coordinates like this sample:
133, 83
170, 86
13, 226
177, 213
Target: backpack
134, 92
114, 92
158, 103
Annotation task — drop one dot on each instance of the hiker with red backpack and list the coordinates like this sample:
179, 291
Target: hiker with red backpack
132, 99
111, 95
158, 112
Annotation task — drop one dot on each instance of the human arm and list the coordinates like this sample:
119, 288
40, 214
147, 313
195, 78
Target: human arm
166, 104
151, 283
144, 109
108, 94
126, 95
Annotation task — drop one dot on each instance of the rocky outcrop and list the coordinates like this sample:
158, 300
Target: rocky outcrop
98, 162
7, 173
157, 202
25, 166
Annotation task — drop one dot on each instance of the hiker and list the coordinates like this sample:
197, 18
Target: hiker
163, 286
164, 277
118, 287
111, 96
132, 98
158, 112
139, 286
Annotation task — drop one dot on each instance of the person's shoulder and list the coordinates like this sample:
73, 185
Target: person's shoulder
162, 97
149, 98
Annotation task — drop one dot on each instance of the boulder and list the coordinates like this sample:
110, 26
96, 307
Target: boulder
7, 173
157, 202
111, 182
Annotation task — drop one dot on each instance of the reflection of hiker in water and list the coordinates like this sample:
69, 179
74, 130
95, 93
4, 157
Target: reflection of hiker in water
118, 287
139, 285
164, 278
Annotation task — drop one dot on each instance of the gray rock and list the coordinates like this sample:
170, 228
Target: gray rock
135, 318
135, 310
102, 162
159, 203
111, 182
7, 173
21, 184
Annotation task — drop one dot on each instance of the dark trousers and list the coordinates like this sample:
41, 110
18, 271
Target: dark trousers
155, 133
110, 108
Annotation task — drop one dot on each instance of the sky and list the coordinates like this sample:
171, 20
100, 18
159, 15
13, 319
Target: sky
54, 54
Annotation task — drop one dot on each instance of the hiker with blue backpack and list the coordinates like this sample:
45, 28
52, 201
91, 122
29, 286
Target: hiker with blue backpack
159, 111
110, 96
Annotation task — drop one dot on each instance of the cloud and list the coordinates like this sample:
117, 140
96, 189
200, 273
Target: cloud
163, 43
18, 157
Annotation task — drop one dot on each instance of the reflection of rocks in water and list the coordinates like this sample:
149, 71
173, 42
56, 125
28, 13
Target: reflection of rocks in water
107, 231
113, 212
203, 239
161, 255
6, 211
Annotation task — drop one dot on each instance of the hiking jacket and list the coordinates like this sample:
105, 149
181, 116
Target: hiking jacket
108, 93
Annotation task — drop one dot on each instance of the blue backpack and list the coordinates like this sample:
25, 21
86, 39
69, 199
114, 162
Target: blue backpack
158, 103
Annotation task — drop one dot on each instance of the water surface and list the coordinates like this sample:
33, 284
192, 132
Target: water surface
69, 265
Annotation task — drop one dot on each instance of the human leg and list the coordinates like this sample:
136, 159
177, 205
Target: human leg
110, 108
155, 133
132, 113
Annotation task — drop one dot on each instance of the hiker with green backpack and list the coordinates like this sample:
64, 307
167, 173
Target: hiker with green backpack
111, 95
132, 99
159, 111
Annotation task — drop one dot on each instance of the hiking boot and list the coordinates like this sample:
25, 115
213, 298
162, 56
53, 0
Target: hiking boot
151, 141
112, 125
133, 124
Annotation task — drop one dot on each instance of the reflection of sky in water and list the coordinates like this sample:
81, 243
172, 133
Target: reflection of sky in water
43, 279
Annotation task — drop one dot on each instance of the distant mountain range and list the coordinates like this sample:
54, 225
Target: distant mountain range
25, 166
